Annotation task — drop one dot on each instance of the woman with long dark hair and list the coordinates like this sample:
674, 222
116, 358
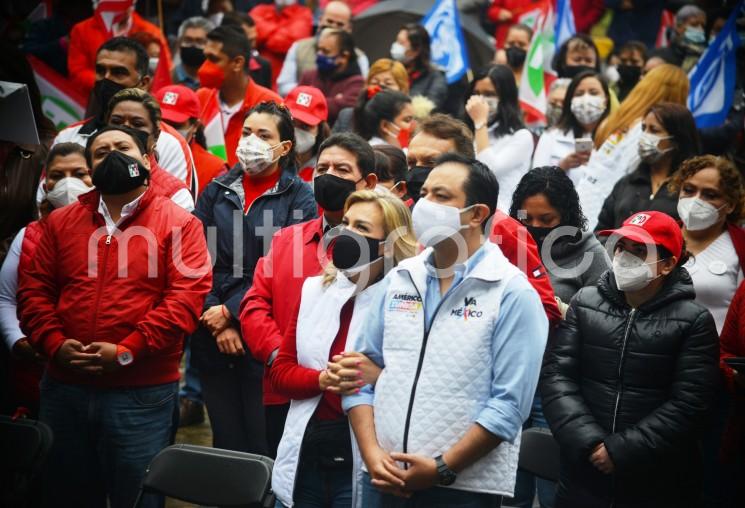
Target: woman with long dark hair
384, 117
669, 136
412, 48
585, 105
502, 141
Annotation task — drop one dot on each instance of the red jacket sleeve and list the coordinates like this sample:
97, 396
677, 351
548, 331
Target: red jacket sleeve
190, 280
732, 335
493, 11
287, 377
81, 70
275, 32
520, 249
259, 329
37, 296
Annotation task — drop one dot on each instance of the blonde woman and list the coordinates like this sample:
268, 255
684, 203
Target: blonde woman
315, 461
617, 137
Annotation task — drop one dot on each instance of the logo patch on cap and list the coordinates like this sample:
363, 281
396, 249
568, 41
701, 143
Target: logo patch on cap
639, 219
304, 99
134, 171
170, 98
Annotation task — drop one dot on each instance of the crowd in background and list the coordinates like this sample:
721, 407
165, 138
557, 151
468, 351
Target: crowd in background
372, 274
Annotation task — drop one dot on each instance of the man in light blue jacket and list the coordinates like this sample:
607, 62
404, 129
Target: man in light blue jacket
460, 334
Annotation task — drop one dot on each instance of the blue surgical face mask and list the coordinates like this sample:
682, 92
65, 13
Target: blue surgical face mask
694, 35
325, 64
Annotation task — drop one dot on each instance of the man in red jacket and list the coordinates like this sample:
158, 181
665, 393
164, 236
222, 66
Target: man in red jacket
228, 90
346, 163
278, 26
110, 19
117, 281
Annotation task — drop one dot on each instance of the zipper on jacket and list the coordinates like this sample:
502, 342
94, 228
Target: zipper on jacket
418, 371
99, 287
619, 389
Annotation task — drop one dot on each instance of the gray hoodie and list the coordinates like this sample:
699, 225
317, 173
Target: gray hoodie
567, 269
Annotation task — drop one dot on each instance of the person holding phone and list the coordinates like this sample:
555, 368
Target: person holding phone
569, 143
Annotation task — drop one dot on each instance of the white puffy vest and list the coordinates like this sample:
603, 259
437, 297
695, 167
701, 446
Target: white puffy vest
317, 325
432, 390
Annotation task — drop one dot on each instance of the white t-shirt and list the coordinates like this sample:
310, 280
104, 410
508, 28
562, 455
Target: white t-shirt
716, 275
553, 145
509, 159
227, 112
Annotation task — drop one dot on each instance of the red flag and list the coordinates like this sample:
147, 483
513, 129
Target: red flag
162, 76
667, 21
113, 12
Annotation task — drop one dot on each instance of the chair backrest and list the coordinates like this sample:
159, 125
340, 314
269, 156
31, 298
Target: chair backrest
24, 444
539, 454
210, 476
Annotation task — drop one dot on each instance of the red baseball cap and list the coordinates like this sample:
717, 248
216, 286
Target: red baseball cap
307, 104
178, 103
651, 227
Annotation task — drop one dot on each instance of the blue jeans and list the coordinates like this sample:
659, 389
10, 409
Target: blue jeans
316, 488
527, 485
436, 497
104, 440
192, 388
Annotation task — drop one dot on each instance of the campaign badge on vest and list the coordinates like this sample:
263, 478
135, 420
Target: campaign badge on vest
134, 171
405, 303
469, 310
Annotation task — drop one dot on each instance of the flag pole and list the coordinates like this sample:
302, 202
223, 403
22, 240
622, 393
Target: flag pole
160, 16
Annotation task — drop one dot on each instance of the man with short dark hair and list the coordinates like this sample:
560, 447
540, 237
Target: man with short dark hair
346, 164
228, 92
123, 63
441, 134
258, 67
192, 37
451, 410
111, 313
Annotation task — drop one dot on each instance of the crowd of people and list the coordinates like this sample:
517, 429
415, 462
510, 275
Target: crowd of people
376, 276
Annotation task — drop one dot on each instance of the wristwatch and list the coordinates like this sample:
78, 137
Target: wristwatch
446, 476
123, 356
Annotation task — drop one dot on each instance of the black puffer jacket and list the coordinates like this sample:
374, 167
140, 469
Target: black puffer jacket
640, 381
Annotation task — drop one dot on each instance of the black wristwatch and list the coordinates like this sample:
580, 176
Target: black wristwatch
446, 476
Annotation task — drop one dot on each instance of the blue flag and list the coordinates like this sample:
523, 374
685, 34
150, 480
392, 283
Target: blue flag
564, 22
448, 46
713, 77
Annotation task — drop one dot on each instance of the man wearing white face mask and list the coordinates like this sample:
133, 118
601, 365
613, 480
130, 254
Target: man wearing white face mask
452, 410
630, 376
67, 177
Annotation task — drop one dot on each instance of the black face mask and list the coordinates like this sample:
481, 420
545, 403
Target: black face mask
415, 178
539, 234
103, 91
572, 70
192, 56
352, 250
331, 192
119, 173
515, 56
629, 74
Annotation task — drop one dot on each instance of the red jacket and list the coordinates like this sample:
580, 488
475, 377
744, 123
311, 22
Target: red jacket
163, 182
270, 304
732, 345
255, 94
277, 30
73, 289
587, 13
85, 39
517, 8
209, 166
520, 249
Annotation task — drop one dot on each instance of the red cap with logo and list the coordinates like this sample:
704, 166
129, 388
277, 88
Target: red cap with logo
651, 227
307, 104
178, 103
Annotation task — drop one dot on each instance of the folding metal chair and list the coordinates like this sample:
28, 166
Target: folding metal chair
539, 454
210, 476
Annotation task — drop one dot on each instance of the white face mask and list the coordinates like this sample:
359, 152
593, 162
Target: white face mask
697, 214
588, 109
66, 191
612, 75
631, 273
255, 154
398, 51
304, 140
493, 103
649, 149
434, 222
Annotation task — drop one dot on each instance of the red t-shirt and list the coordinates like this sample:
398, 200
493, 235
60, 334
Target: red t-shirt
255, 186
298, 382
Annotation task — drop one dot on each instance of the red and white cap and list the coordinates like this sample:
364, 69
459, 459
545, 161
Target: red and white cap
177, 103
307, 104
651, 228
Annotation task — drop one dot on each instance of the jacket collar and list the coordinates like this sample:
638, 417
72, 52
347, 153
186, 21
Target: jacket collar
90, 201
677, 286
313, 230
233, 180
